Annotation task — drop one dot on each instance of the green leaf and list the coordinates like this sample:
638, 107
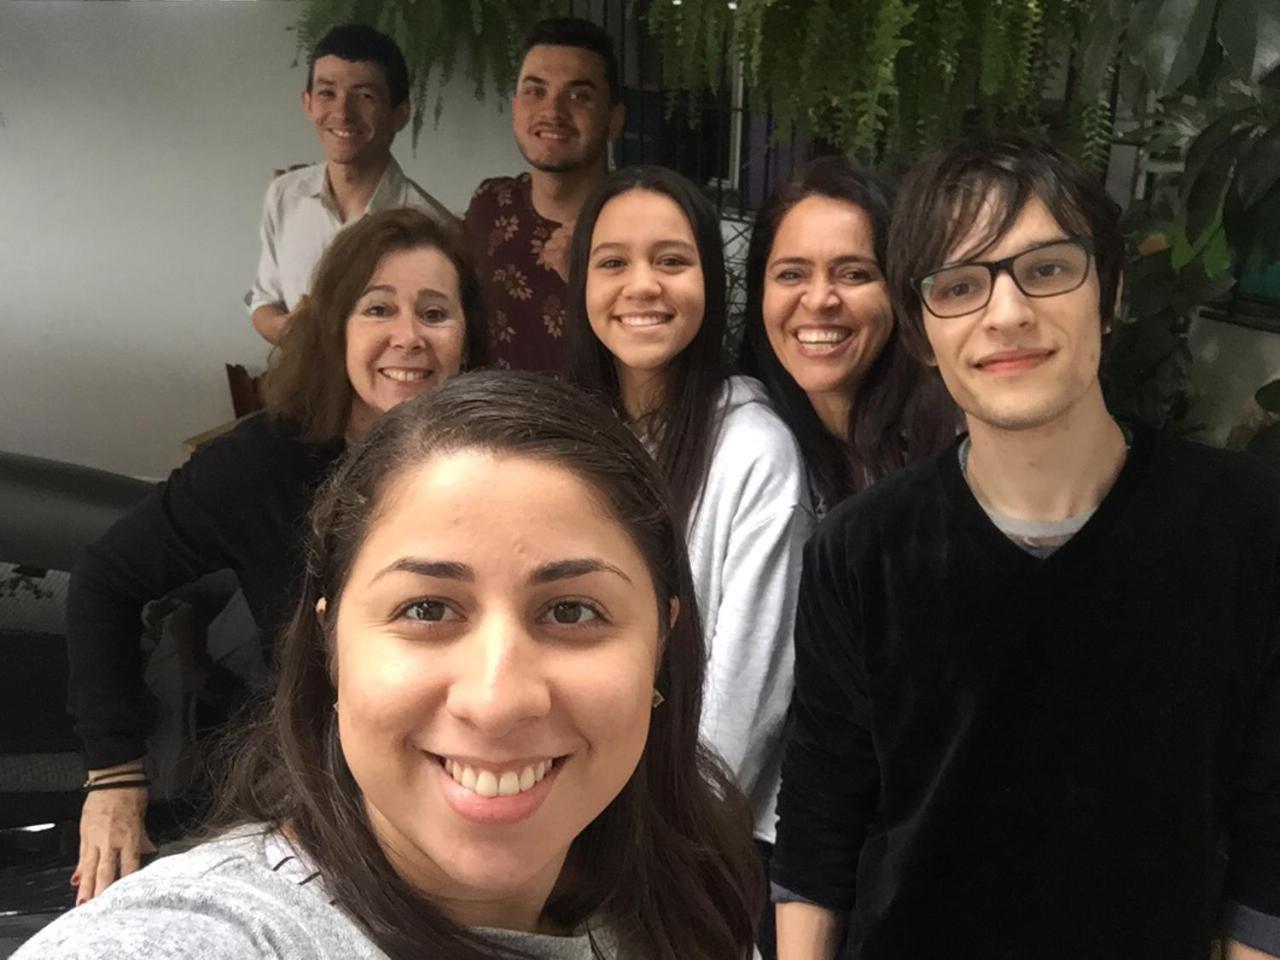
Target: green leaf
1173, 35
1098, 45
1268, 397
1204, 146
1259, 169
1204, 200
1250, 34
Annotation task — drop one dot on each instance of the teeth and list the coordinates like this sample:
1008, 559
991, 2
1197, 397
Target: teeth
405, 376
643, 319
486, 783
345, 134
825, 335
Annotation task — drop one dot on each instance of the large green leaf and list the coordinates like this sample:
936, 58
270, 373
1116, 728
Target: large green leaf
1268, 397
1203, 147
1204, 201
1098, 44
1250, 33
1259, 169
1172, 35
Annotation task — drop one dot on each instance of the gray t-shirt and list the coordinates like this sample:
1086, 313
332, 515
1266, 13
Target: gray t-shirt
245, 895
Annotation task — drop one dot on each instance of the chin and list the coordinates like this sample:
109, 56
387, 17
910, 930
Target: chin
499, 868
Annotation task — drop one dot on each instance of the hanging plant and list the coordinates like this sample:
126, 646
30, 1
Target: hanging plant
435, 35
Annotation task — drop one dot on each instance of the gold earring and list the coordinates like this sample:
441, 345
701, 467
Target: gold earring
658, 698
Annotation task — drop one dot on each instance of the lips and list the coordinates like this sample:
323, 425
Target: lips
1012, 361
639, 320
557, 134
405, 374
819, 341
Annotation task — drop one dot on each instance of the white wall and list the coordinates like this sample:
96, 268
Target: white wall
136, 140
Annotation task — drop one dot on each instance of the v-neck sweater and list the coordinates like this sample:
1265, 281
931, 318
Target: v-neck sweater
1014, 756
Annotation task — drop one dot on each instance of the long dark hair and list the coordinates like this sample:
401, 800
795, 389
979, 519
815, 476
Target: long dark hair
306, 381
685, 428
902, 412
669, 864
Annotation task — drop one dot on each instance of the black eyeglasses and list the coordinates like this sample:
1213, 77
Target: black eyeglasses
1047, 270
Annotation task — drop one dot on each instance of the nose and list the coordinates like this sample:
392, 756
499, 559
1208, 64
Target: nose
819, 295
642, 282
1009, 307
405, 331
498, 684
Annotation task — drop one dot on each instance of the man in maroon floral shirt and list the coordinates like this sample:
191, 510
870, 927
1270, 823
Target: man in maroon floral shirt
566, 110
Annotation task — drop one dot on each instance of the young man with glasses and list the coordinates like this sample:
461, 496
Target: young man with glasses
1037, 707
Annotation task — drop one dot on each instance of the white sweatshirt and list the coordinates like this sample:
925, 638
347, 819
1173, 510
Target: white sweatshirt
746, 539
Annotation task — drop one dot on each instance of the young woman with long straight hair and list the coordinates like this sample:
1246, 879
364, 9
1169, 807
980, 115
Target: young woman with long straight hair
646, 330
820, 332
484, 739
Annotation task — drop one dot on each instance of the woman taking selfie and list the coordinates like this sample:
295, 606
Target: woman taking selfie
821, 336
394, 311
483, 742
647, 316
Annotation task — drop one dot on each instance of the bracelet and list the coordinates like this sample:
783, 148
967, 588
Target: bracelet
116, 775
117, 785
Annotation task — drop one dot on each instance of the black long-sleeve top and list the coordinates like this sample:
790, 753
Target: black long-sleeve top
1002, 756
240, 502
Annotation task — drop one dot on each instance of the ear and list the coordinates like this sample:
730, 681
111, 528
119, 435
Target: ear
673, 613
617, 119
306, 102
401, 113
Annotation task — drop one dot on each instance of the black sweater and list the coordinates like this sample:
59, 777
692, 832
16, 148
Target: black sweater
1000, 756
240, 502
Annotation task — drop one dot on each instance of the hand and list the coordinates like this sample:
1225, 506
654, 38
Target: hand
113, 838
555, 252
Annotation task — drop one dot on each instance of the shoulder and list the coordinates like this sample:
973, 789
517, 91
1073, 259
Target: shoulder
218, 900
498, 191
754, 450
286, 189
749, 426
259, 453
1236, 490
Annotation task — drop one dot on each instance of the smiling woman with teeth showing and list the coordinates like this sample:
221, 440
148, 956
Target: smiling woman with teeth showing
820, 333
647, 319
483, 743
394, 311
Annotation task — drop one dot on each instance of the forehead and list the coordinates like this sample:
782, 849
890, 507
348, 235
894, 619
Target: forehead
992, 231
825, 226
640, 216
504, 515
415, 268
348, 73
563, 64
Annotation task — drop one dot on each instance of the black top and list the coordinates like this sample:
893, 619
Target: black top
1002, 756
240, 502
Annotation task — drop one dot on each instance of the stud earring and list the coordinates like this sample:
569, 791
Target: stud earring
658, 698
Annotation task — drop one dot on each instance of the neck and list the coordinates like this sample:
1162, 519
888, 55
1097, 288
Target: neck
353, 184
360, 420
560, 196
833, 408
1059, 470
642, 391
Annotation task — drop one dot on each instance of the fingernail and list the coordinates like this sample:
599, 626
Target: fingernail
75, 879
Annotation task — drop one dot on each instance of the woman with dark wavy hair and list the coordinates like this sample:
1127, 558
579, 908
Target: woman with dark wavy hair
394, 310
484, 739
820, 332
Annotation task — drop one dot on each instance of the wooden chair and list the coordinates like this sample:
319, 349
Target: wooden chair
246, 390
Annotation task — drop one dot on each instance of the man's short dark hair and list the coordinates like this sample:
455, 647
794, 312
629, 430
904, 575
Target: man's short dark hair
361, 43
943, 196
583, 34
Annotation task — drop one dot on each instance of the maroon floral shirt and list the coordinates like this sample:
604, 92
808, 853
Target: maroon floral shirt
524, 293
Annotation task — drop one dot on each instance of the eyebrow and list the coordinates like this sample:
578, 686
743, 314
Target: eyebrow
326, 81
576, 82
619, 245
805, 261
424, 293
974, 260
547, 573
